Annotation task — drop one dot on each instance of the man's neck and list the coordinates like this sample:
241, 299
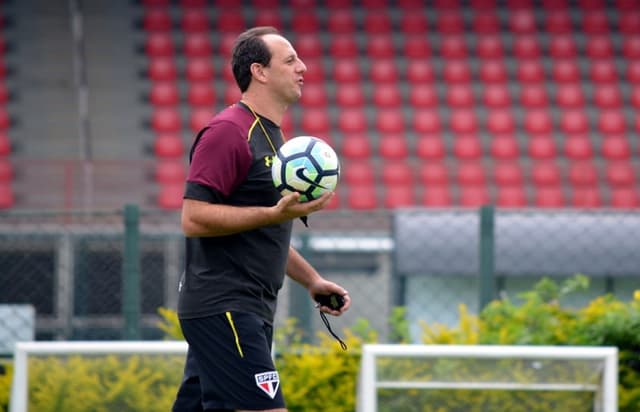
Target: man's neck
269, 109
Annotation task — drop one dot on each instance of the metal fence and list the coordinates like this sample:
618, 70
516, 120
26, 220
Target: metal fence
104, 274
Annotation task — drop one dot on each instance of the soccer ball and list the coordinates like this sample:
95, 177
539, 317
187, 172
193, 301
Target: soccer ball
307, 165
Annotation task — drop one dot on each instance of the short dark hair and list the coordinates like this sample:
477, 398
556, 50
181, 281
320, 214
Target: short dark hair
250, 48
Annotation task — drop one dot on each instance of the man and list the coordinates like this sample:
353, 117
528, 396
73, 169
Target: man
238, 229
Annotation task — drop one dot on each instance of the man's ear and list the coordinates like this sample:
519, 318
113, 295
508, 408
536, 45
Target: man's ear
257, 71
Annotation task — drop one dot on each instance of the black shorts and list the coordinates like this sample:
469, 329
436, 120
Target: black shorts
229, 365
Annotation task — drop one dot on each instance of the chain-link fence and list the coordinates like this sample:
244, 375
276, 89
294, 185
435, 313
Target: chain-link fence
104, 274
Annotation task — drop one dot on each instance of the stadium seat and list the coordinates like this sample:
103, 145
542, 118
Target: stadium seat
541, 146
356, 146
522, 21
343, 46
159, 44
595, 22
583, 173
383, 71
615, 147
504, 147
625, 198
470, 173
426, 121
156, 19
578, 147
586, 197
162, 69
6, 171
433, 173
309, 45
500, 121
450, 22
413, 23
574, 122
314, 95
340, 21
315, 71
201, 94
231, 94
164, 94
511, 196
166, 120
467, 147
358, 172
545, 173
199, 117
390, 121
393, 147
352, 121
170, 171
631, 47
197, 45
599, 47
192, 3
269, 17
315, 122
436, 196
397, 173
346, 71
525, 47
399, 196
349, 95
426, 96
534, 96
194, 20
489, 47
225, 45
603, 71
170, 196
629, 22
463, 121
508, 174
380, 46
563, 47
362, 197
377, 21
530, 71
612, 122
453, 47
456, 71
168, 146
7, 197
549, 197
565, 71
199, 70
416, 47
558, 22
421, 71
620, 173
230, 20
430, 146
496, 96
570, 96
485, 22
304, 21
387, 96
460, 96
607, 96
635, 97
538, 121
474, 196
5, 145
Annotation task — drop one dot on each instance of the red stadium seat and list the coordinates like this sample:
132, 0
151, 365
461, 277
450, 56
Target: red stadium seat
315, 71
612, 122
393, 147
387, 95
315, 122
616, 147
595, 22
474, 196
390, 121
397, 173
631, 47
377, 21
453, 47
166, 120
304, 21
570, 95
522, 22
199, 118
170, 196
508, 173
607, 96
6, 171
199, 70
460, 96
314, 95
349, 95
583, 173
162, 69
343, 46
496, 96
456, 71
230, 20
530, 71
603, 71
463, 121
384, 71
362, 197
201, 94
574, 122
399, 196
538, 122
470, 173
489, 47
413, 23
433, 173
192, 3
341, 21
578, 147
534, 96
420, 71
599, 47
356, 146
225, 45
436, 196
358, 173
197, 45
558, 22
450, 22
5, 145
430, 146
620, 173
511, 196
159, 44
308, 45
566, 71
542, 147
346, 71
586, 197
563, 47
426, 121
168, 146
269, 17
526, 47
545, 173
231, 94
549, 197
635, 97
352, 121
505, 147
500, 122
194, 20
467, 147
380, 46
416, 47
629, 22
156, 19
633, 72
164, 94
170, 171
425, 95
625, 198
485, 22
493, 71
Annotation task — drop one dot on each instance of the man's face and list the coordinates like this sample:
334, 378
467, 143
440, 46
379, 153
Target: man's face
285, 71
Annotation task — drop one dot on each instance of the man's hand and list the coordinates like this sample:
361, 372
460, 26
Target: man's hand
325, 287
290, 207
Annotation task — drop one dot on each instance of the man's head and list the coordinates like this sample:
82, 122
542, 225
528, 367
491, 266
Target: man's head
261, 54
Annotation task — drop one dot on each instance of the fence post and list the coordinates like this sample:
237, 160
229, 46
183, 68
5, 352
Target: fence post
299, 300
131, 273
486, 251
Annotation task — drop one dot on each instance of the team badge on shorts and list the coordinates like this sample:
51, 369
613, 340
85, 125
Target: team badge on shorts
268, 382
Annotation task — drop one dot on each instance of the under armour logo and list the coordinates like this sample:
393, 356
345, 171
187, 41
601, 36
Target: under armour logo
268, 160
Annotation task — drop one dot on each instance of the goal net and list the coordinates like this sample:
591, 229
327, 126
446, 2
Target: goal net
93, 375
448, 378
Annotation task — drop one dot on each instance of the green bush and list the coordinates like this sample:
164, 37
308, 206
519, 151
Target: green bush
6, 376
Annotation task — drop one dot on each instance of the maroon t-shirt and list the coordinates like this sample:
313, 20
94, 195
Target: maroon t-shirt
231, 164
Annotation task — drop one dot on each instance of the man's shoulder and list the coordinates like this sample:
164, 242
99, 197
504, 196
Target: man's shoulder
234, 114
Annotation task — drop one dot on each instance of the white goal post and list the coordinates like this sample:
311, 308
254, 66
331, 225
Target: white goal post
603, 362
20, 388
